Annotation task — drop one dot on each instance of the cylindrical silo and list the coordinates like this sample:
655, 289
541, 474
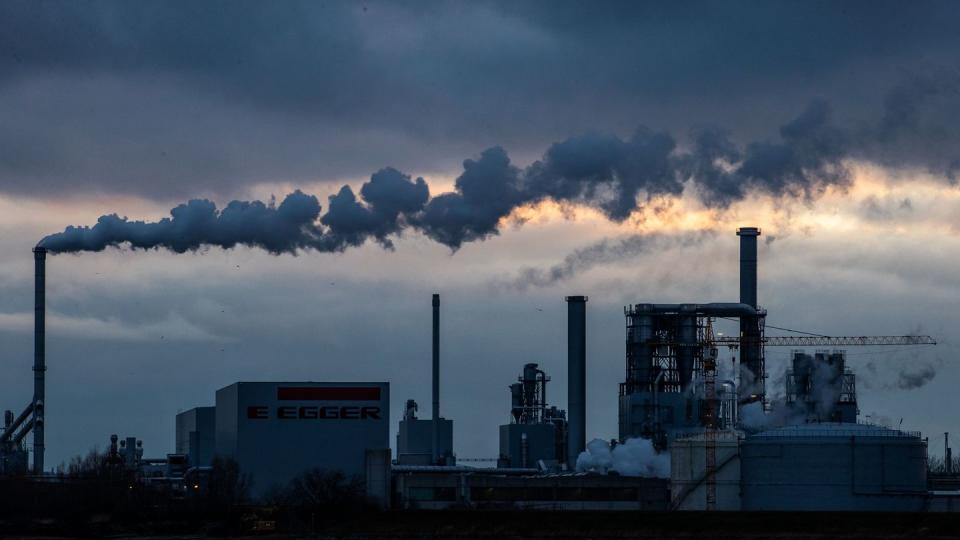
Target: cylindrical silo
688, 471
834, 467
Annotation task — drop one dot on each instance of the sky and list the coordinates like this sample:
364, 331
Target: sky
502, 154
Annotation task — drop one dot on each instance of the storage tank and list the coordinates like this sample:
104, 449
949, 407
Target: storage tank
834, 467
688, 482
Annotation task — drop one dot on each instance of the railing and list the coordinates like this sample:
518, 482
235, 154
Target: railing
840, 432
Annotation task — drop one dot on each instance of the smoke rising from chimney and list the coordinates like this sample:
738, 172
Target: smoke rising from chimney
606, 251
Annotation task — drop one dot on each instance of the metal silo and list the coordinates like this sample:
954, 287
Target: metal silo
834, 467
688, 475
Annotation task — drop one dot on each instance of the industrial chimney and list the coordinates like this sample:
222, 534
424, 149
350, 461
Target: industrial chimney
748, 264
39, 355
436, 380
751, 350
576, 377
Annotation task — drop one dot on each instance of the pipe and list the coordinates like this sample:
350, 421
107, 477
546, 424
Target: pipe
715, 309
947, 466
656, 402
8, 432
436, 379
524, 449
576, 377
23, 433
39, 356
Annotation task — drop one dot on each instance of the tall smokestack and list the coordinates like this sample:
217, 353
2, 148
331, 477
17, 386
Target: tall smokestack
748, 264
751, 349
39, 355
436, 379
576, 377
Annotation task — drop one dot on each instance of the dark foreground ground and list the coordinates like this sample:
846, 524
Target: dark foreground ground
533, 524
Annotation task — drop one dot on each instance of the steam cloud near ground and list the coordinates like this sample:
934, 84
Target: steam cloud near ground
635, 457
613, 175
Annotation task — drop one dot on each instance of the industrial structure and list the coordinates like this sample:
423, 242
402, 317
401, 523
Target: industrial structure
13, 455
537, 434
688, 393
821, 388
427, 442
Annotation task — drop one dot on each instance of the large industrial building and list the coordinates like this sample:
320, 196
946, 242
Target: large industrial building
731, 444
276, 431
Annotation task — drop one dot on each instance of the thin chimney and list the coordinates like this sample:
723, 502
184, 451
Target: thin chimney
39, 356
436, 379
576, 377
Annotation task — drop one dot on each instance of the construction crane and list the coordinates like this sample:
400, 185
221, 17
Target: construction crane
830, 341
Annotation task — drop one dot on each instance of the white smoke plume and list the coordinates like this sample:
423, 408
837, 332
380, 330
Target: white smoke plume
635, 457
606, 251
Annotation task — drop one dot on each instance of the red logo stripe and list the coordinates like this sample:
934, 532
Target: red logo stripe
328, 393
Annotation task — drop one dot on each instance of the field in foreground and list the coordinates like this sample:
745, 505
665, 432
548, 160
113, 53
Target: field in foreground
529, 524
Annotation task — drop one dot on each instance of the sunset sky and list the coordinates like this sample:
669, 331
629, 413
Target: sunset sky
639, 137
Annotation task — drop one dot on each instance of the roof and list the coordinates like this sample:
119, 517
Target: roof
834, 429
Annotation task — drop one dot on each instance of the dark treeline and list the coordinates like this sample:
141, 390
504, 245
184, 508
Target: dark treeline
93, 496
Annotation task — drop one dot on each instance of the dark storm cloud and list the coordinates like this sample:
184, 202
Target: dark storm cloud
920, 123
175, 98
807, 159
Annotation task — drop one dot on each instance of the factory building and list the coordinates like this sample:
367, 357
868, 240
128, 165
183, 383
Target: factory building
415, 439
277, 430
537, 434
196, 435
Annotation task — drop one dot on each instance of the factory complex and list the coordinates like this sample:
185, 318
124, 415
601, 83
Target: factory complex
697, 427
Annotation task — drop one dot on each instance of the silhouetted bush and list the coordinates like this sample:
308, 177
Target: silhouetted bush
317, 497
